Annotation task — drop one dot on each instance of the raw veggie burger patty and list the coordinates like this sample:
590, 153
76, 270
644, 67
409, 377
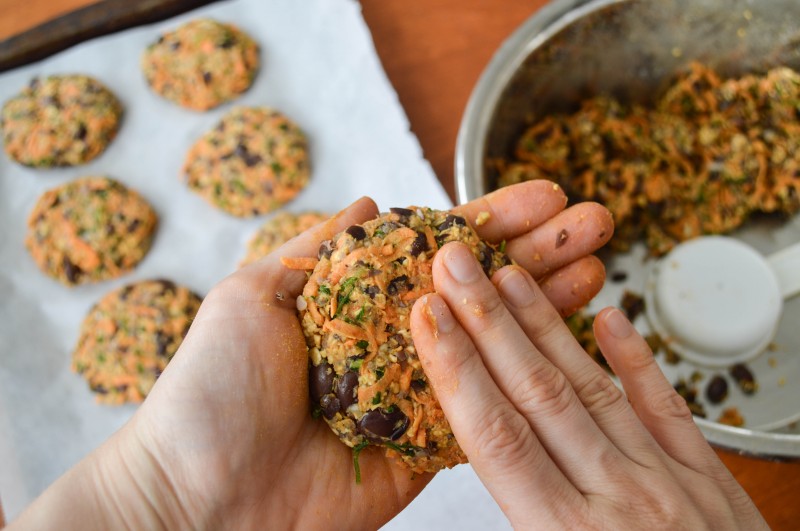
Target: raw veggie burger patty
365, 376
60, 121
130, 335
88, 230
201, 64
251, 163
278, 230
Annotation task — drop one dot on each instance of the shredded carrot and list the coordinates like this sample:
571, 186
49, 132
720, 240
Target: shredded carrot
344, 329
366, 394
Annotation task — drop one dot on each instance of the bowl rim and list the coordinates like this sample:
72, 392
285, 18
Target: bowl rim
469, 181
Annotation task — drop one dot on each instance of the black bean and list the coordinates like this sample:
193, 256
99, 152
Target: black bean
486, 256
72, 271
418, 385
562, 238
228, 41
167, 286
207, 77
372, 290
399, 339
632, 304
451, 220
404, 212
380, 424
133, 225
346, 389
125, 292
320, 380
325, 249
357, 232
420, 244
330, 406
397, 284
717, 389
162, 342
744, 378
80, 134
248, 158
619, 276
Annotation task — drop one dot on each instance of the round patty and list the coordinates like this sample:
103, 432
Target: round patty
201, 64
60, 121
278, 230
251, 163
130, 335
365, 377
90, 229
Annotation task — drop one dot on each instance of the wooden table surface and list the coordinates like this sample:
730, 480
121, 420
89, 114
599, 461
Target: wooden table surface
434, 52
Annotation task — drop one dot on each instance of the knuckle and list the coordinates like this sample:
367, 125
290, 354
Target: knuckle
506, 439
668, 404
598, 394
543, 390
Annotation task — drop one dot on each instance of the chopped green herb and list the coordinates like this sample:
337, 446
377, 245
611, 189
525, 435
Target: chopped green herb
376, 399
316, 412
276, 167
356, 364
379, 233
363, 344
379, 373
356, 451
360, 314
390, 409
405, 448
503, 246
325, 289
345, 291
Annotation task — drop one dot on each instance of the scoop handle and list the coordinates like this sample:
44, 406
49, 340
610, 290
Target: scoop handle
786, 266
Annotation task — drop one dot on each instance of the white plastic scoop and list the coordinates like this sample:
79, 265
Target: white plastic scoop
716, 301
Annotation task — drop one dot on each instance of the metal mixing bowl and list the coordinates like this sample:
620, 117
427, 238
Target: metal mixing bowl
573, 49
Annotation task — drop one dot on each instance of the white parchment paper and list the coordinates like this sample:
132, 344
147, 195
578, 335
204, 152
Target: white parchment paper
319, 66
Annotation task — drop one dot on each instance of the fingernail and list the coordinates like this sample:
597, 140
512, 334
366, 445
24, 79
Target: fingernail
439, 315
462, 265
618, 325
514, 287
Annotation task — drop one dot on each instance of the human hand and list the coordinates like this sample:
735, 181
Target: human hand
226, 437
554, 440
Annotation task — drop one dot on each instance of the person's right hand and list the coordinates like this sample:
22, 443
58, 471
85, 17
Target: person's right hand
557, 444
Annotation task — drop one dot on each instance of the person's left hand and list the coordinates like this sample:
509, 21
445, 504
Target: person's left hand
227, 434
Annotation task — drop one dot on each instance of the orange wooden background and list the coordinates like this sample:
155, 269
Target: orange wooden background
434, 52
